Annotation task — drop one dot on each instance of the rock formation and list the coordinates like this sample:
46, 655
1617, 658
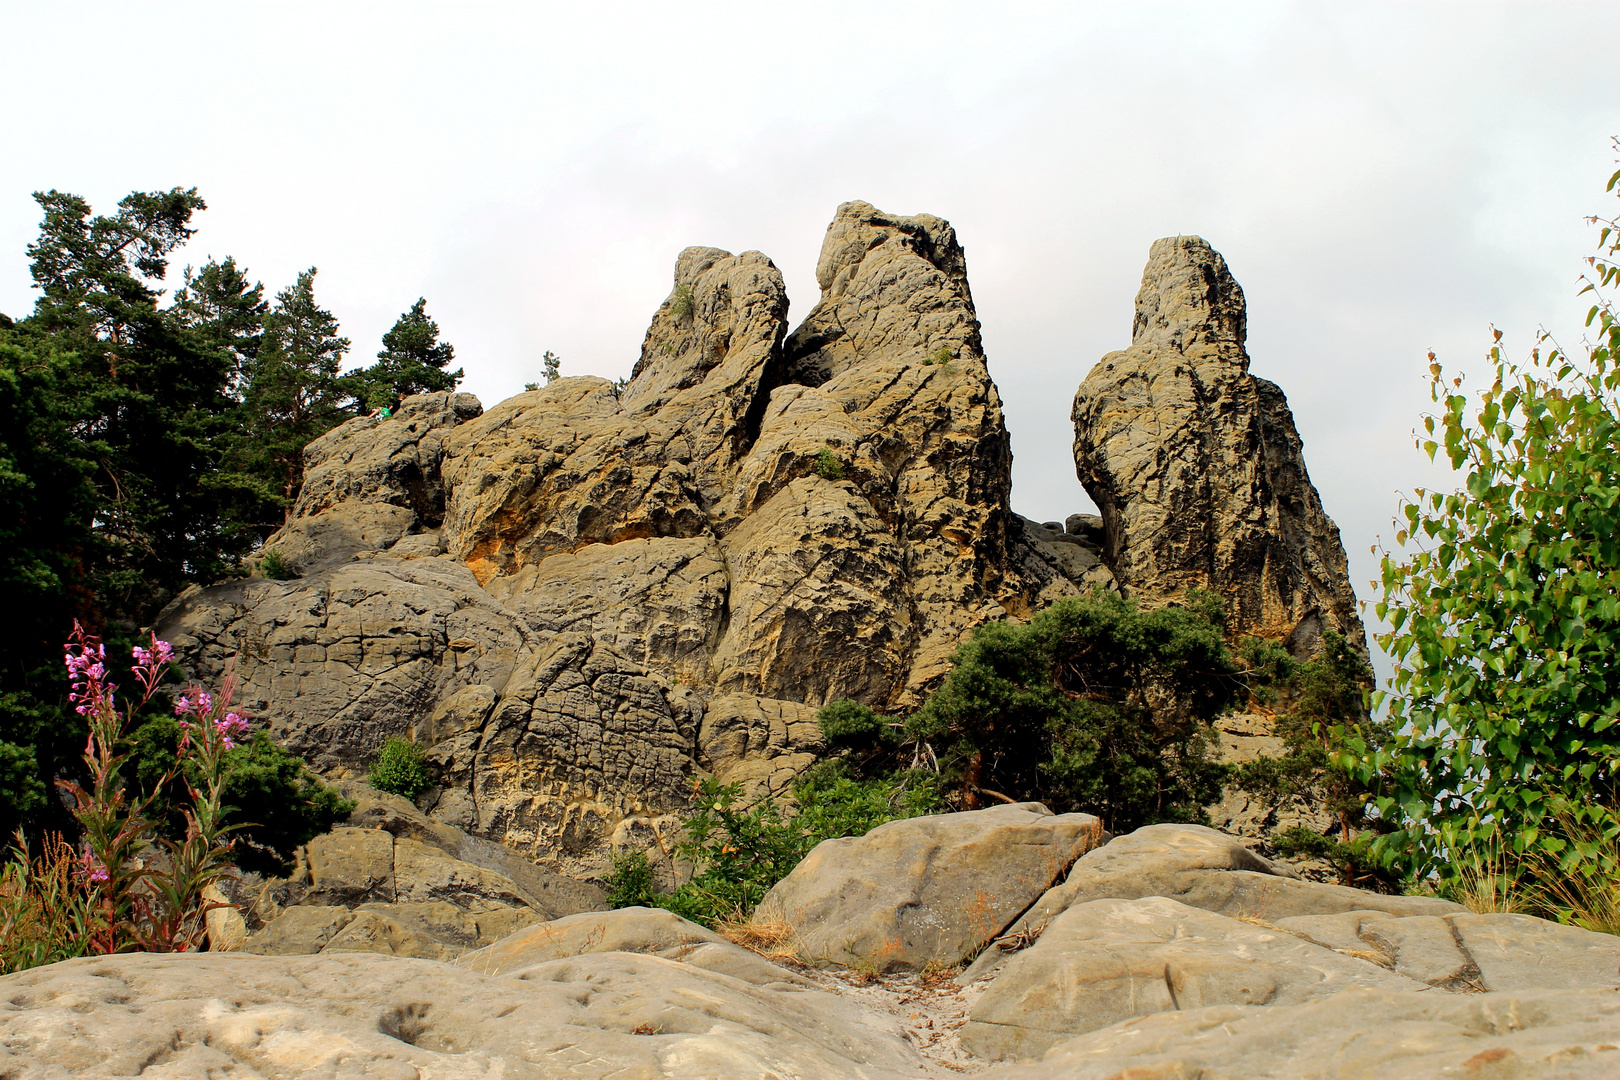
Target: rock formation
1169, 953
1197, 467
585, 596
582, 597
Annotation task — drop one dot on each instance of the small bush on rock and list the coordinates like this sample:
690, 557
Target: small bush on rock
401, 768
1324, 713
827, 465
273, 566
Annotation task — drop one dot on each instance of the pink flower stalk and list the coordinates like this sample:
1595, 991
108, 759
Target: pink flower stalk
92, 867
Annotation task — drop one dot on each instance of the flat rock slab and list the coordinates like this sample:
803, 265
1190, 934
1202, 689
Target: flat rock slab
1111, 960
631, 930
363, 1016
925, 890
1355, 1035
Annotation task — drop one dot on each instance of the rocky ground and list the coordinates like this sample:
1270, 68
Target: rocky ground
1168, 954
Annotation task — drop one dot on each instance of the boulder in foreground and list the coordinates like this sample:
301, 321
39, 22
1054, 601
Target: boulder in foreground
928, 890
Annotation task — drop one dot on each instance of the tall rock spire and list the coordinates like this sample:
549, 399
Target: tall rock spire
1197, 467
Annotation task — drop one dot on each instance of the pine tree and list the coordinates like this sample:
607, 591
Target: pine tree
292, 393
412, 361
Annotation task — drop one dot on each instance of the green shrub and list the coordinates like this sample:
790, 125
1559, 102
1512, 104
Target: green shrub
941, 356
827, 465
1093, 705
401, 768
740, 852
274, 800
683, 303
273, 566
630, 882
1325, 714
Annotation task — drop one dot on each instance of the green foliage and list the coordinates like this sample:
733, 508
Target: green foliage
1326, 715
1505, 616
1093, 705
741, 851
683, 302
274, 567
412, 361
401, 768
630, 882
530, 387
827, 465
279, 803
47, 501
550, 367
941, 356
291, 394
271, 797
45, 913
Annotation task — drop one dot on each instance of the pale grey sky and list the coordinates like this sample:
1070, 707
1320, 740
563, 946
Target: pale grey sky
1382, 178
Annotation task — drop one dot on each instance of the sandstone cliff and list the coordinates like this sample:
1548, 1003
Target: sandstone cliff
583, 597
580, 598
1196, 465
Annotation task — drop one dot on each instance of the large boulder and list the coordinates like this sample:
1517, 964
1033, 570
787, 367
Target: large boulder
370, 482
1105, 961
392, 880
1200, 868
1197, 467
925, 891
629, 930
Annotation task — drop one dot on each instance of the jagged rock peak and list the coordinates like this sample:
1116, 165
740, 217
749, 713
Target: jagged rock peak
1197, 467
1189, 298
889, 284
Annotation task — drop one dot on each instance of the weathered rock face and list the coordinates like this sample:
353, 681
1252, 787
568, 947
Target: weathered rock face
1197, 467
581, 597
393, 881
371, 482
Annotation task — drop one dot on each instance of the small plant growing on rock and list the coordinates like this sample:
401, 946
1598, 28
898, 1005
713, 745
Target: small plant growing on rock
941, 356
401, 768
530, 387
827, 465
550, 367
683, 303
630, 882
274, 567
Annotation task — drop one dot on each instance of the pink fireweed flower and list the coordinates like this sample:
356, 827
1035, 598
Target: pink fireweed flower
150, 664
231, 726
92, 867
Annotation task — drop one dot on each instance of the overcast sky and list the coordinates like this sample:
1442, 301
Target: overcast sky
1382, 179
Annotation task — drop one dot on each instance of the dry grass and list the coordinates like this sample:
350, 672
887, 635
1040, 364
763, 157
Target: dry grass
45, 911
1583, 891
1486, 883
770, 935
